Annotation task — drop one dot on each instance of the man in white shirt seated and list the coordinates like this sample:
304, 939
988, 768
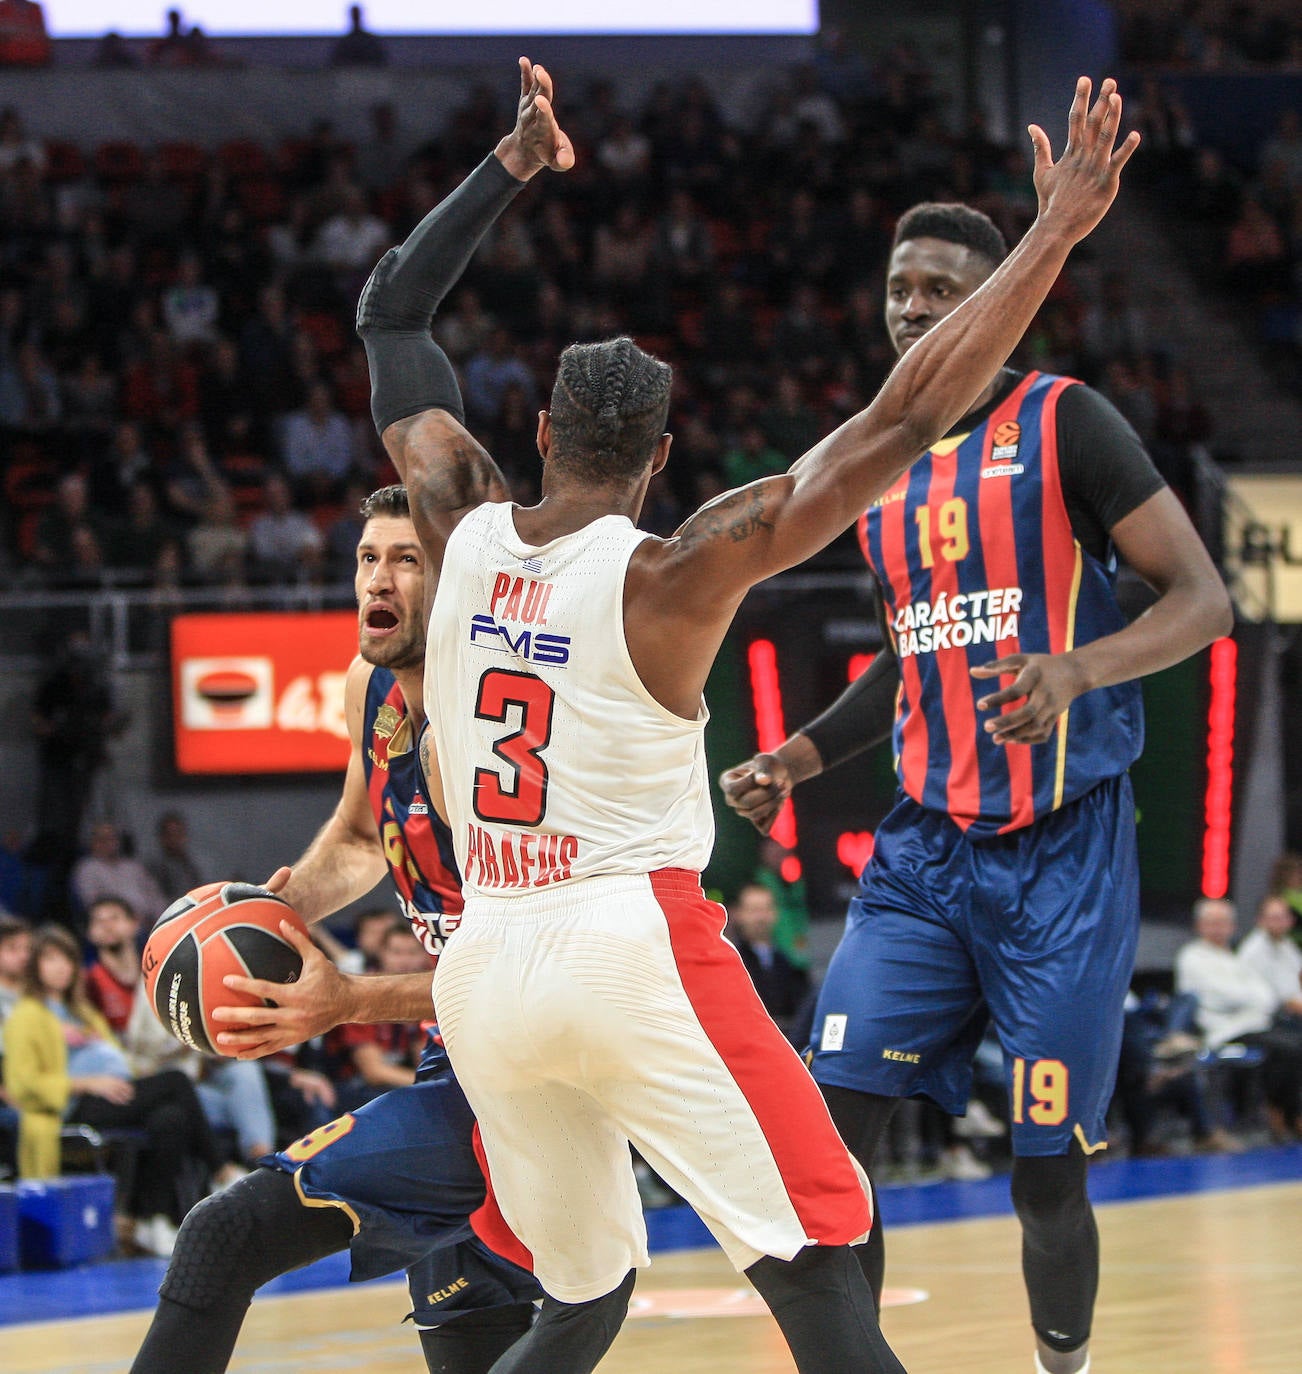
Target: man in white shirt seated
1235, 1003
1270, 951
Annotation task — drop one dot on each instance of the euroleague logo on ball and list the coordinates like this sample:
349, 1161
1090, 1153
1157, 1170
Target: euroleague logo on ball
214, 931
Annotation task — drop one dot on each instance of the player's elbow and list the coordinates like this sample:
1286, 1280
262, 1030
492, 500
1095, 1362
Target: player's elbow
1216, 607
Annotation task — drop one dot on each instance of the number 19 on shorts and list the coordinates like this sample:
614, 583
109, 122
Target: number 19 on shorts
1039, 1092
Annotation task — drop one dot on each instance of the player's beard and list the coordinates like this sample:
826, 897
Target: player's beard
397, 653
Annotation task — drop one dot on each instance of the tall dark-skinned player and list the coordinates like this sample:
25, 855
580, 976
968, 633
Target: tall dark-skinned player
1004, 883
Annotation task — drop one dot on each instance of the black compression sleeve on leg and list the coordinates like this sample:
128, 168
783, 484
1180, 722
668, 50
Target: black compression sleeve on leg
228, 1247
861, 1118
471, 1344
573, 1336
822, 1303
409, 371
1060, 1246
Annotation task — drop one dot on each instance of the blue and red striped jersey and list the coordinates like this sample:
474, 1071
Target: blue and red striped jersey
417, 844
976, 558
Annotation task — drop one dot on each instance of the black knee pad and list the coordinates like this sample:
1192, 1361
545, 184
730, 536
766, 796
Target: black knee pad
252, 1232
210, 1260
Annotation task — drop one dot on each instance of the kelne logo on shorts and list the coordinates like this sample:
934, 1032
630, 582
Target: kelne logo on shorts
954, 622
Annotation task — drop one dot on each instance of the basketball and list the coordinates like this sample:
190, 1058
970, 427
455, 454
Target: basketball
215, 930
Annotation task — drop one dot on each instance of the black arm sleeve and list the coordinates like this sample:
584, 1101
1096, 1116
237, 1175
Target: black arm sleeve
1105, 470
409, 371
861, 716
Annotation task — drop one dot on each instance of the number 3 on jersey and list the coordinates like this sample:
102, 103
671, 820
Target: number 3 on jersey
520, 799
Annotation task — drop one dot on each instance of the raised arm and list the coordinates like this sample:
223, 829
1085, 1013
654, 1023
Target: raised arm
747, 535
415, 399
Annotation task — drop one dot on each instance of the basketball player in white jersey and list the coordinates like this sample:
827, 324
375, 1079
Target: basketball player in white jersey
588, 998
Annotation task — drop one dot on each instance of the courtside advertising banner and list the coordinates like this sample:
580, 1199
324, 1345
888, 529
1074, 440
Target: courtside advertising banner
261, 693
1263, 544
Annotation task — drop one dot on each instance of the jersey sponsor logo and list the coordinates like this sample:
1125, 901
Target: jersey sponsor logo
380, 763
833, 1031
521, 599
527, 644
518, 859
1004, 469
902, 1056
417, 808
891, 497
431, 928
955, 621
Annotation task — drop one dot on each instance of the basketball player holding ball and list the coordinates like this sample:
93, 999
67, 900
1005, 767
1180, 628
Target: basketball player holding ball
400, 1174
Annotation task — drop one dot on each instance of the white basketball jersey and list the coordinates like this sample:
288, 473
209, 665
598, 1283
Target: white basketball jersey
557, 762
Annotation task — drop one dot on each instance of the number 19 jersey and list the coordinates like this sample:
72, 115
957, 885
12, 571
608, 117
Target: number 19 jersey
557, 762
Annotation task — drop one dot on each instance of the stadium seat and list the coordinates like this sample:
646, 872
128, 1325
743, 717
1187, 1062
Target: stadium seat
184, 162
243, 158
63, 161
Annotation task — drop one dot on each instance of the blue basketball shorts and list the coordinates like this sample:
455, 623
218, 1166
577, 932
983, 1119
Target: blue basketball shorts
403, 1167
1034, 931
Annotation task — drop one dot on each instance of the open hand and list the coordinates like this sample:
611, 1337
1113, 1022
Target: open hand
316, 1003
757, 788
1046, 684
537, 141
1075, 191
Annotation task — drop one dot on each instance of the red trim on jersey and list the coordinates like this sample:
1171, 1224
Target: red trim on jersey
963, 783
816, 1168
861, 533
999, 548
1055, 524
914, 744
487, 1221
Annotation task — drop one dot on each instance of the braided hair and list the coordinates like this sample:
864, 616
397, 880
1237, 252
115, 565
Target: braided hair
953, 223
609, 407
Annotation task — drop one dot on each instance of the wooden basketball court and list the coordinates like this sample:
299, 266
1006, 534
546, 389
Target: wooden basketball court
1210, 1282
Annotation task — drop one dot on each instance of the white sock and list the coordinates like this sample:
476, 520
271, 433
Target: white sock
1040, 1369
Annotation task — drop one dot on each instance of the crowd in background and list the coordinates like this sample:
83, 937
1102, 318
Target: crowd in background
184, 400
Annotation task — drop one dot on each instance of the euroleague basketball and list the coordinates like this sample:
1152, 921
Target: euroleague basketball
215, 930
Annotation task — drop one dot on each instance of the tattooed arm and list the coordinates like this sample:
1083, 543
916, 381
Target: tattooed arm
681, 593
447, 472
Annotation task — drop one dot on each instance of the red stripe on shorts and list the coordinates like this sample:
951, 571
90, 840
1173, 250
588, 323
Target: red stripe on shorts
815, 1165
487, 1221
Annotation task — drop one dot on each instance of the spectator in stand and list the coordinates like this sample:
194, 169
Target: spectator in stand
136, 541
171, 50
1286, 882
62, 1062
176, 868
753, 457
624, 154
73, 718
358, 48
317, 446
370, 929
1236, 1004
788, 423
1270, 952
15, 952
353, 239
783, 986
464, 328
282, 540
29, 391
1285, 147
163, 388
372, 1059
489, 372
112, 53
53, 537
218, 542
190, 307
126, 464
1256, 258
106, 871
